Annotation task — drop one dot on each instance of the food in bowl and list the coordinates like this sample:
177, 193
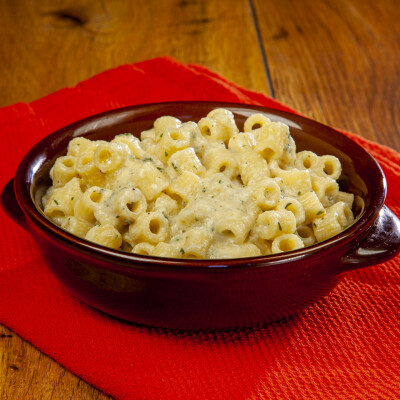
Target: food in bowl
199, 190
177, 293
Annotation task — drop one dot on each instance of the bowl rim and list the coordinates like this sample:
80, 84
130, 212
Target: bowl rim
23, 190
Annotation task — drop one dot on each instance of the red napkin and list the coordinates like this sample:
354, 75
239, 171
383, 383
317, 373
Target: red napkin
346, 346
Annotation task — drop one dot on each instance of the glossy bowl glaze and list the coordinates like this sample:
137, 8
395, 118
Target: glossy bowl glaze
204, 294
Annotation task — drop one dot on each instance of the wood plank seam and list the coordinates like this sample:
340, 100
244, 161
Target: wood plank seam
262, 50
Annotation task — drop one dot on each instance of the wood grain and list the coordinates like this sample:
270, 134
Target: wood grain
50, 44
334, 61
337, 62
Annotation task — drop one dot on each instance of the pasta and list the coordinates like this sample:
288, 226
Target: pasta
199, 190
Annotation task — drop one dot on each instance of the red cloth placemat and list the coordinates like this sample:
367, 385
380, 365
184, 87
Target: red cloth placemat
346, 346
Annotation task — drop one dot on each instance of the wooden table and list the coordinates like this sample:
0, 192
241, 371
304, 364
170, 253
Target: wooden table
335, 61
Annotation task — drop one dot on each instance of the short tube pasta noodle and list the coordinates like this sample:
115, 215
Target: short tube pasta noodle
266, 193
328, 166
106, 235
129, 204
163, 123
255, 121
272, 140
271, 224
236, 225
151, 227
63, 170
108, 157
202, 190
327, 189
143, 248
306, 234
196, 243
285, 243
293, 205
131, 142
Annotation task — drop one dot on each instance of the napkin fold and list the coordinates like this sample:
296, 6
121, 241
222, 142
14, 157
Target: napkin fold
346, 346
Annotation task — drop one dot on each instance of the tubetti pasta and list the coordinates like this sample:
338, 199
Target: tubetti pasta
199, 190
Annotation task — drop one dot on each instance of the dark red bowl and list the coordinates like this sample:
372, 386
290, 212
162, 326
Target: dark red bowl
204, 294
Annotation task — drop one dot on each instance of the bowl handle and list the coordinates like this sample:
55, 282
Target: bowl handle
10, 204
381, 242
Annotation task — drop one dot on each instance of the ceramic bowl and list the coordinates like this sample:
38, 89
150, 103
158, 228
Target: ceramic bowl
204, 294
